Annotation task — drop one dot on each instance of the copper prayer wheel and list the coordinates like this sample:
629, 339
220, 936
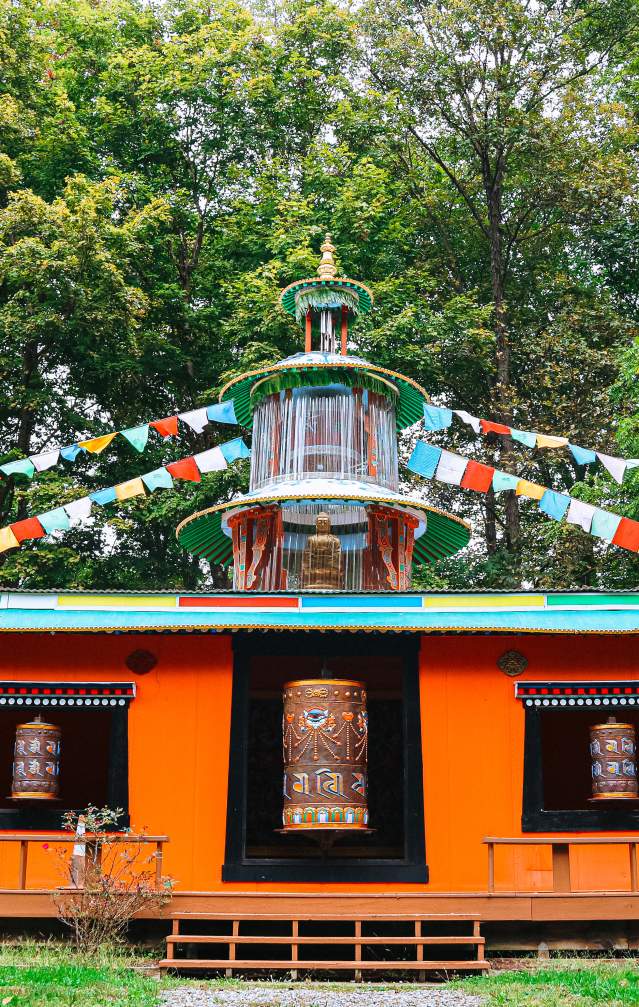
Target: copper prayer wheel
36, 762
325, 736
614, 761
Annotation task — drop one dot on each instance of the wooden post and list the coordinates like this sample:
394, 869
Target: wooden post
344, 330
158, 863
170, 947
308, 335
358, 949
421, 975
78, 858
491, 867
477, 933
22, 870
561, 867
232, 954
295, 932
632, 848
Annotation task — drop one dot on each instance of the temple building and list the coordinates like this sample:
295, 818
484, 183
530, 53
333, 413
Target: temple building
341, 773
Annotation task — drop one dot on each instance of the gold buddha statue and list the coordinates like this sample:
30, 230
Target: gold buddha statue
322, 557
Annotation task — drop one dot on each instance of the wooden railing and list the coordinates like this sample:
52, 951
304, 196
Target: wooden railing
561, 881
53, 838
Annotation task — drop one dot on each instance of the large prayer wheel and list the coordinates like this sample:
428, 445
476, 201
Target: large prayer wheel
325, 736
36, 762
614, 761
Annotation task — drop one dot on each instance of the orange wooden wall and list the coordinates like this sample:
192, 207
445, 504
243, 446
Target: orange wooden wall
472, 749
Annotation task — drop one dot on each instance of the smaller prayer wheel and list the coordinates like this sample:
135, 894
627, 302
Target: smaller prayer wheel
36, 762
325, 753
614, 761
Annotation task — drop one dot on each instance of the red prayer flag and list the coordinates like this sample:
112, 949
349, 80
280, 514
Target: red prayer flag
168, 427
29, 528
477, 477
494, 428
185, 469
627, 534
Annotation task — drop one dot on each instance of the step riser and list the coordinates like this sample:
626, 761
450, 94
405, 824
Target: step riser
360, 966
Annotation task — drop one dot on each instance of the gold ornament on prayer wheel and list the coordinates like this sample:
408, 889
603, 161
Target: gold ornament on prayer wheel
614, 761
325, 736
36, 762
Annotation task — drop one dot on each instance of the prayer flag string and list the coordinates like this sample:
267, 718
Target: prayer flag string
433, 462
440, 418
190, 469
137, 437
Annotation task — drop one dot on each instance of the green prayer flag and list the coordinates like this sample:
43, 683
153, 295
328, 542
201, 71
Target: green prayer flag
21, 467
137, 436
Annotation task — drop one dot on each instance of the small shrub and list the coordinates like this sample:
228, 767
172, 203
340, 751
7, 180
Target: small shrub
109, 882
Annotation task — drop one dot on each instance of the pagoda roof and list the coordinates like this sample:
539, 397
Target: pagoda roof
317, 368
204, 534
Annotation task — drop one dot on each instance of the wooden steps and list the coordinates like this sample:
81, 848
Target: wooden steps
369, 936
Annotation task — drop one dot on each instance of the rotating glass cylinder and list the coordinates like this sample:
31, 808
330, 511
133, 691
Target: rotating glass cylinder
614, 761
325, 737
332, 432
36, 762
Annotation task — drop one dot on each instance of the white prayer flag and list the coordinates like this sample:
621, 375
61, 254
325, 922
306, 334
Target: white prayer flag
580, 513
78, 509
616, 466
46, 459
467, 418
451, 468
210, 461
196, 419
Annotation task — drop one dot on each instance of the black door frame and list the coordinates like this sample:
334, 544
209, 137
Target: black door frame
412, 866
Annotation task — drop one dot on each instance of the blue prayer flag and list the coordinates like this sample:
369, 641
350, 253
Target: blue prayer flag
504, 481
103, 497
424, 459
71, 452
554, 504
232, 450
436, 418
524, 437
583, 456
157, 479
222, 412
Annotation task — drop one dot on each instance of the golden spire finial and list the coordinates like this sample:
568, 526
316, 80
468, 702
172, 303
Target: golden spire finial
327, 270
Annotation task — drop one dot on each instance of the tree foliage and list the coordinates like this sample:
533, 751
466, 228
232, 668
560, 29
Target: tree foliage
165, 169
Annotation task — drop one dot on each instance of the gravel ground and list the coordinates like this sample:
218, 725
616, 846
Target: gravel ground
271, 995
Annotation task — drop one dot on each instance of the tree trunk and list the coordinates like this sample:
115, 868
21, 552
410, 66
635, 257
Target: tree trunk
502, 390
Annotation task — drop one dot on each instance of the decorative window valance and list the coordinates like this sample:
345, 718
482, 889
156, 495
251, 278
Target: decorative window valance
571, 694
68, 694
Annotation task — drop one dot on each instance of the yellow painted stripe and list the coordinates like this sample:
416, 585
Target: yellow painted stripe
485, 601
116, 600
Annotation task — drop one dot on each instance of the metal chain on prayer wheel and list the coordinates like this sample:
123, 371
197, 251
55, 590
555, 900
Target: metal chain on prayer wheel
325, 737
614, 761
36, 762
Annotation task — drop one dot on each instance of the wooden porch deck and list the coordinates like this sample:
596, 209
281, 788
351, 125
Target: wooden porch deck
495, 907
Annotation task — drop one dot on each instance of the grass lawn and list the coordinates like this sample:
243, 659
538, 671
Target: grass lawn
51, 975
562, 984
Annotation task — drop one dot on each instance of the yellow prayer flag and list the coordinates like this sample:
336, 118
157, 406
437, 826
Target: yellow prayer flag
97, 444
546, 441
132, 488
532, 490
7, 539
